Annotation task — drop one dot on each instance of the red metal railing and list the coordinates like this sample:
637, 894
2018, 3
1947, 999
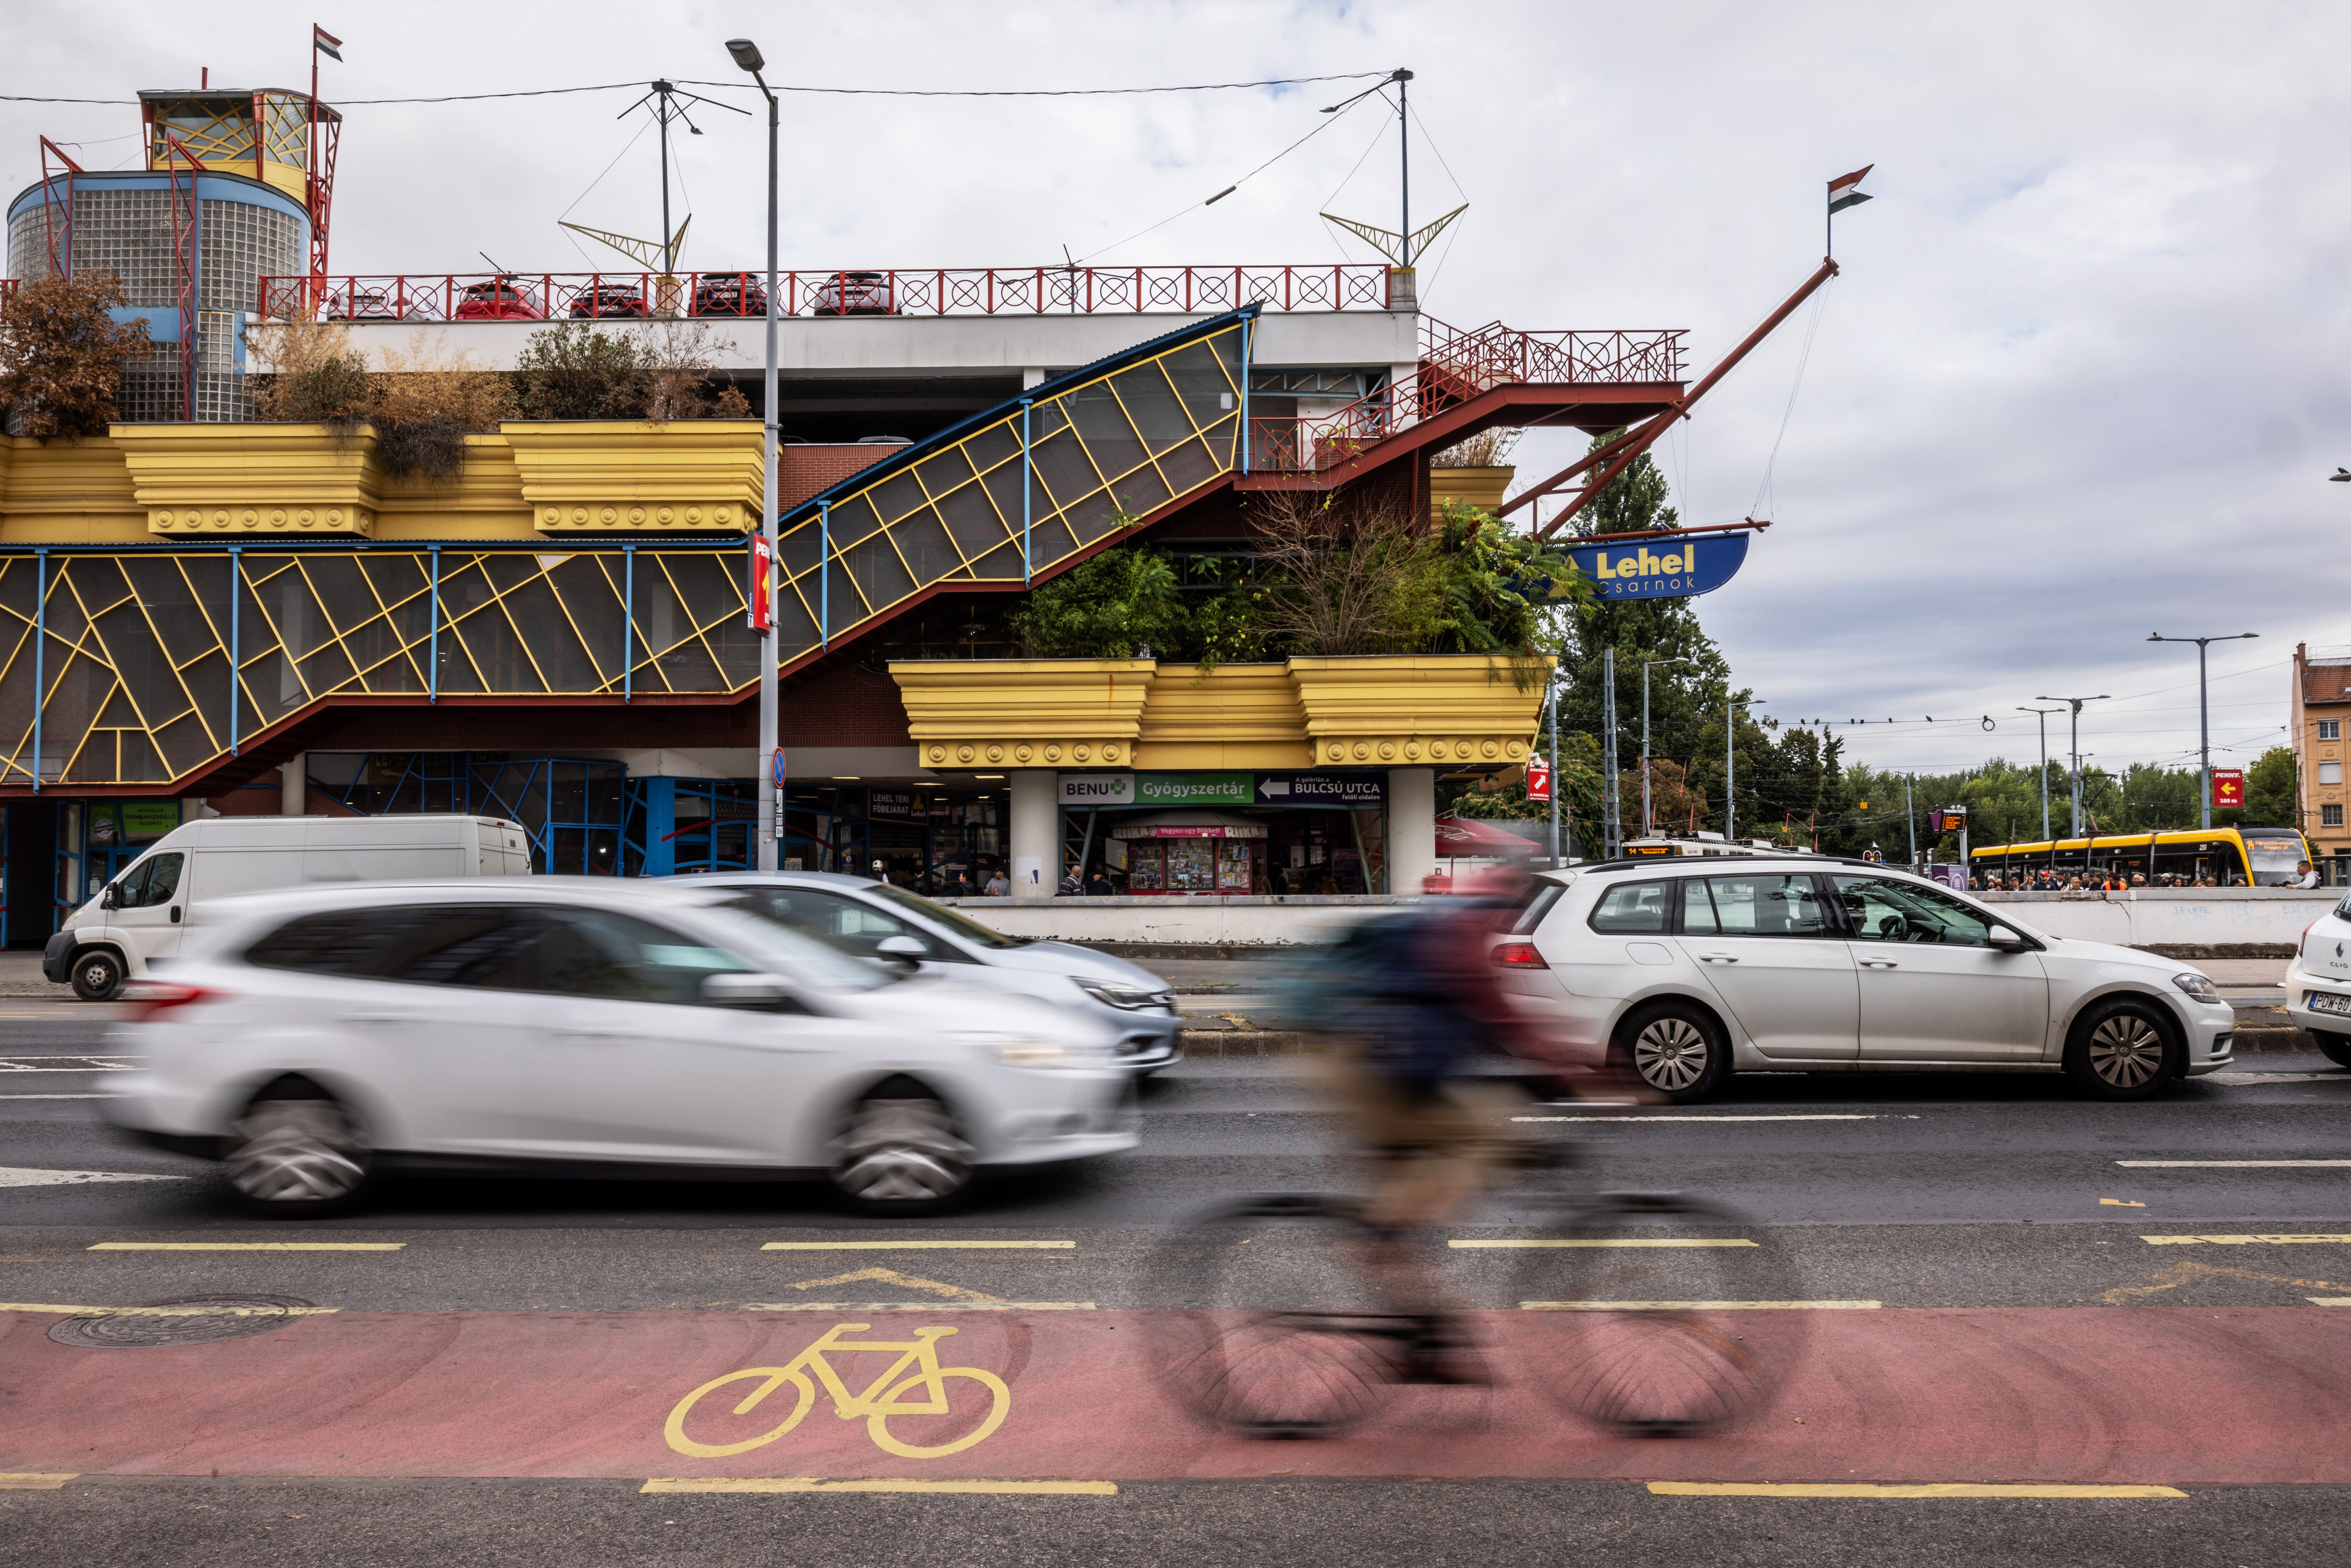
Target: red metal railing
1456, 366
938, 291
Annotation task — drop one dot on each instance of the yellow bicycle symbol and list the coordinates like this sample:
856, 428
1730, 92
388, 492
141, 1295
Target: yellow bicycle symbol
882, 1399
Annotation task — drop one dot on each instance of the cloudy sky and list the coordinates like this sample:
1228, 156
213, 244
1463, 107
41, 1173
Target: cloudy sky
2082, 379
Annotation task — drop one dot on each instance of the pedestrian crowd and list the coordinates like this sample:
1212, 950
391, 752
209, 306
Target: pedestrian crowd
2111, 880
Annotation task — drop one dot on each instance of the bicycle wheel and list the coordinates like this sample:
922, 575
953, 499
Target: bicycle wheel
999, 1404
1268, 1327
1655, 1314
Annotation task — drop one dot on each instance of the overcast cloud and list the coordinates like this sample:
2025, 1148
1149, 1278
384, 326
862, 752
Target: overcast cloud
2081, 379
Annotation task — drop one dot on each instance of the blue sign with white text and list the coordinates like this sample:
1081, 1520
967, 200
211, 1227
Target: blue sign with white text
1670, 567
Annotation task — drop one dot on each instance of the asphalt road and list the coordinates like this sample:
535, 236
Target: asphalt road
1982, 1215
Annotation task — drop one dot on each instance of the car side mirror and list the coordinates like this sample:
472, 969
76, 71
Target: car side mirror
745, 990
906, 950
2007, 941
112, 897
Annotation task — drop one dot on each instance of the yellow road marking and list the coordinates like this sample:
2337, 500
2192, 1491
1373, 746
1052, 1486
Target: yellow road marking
1863, 1489
26, 1480
247, 1246
1644, 1241
2120, 1203
2328, 1300
2237, 1240
166, 1312
2226, 1165
911, 1282
988, 1305
1689, 1306
910, 1246
810, 1483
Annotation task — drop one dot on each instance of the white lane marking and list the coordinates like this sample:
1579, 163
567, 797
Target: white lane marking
60, 1096
88, 1065
1643, 1241
1889, 1117
907, 1246
1694, 1306
247, 1246
2229, 1164
2237, 1240
2275, 1078
25, 1176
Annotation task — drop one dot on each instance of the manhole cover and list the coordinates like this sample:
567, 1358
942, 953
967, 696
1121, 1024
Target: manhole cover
197, 1319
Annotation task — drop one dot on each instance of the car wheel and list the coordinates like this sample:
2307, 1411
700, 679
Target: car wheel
2120, 1051
1677, 1049
297, 1156
2335, 1048
900, 1152
97, 975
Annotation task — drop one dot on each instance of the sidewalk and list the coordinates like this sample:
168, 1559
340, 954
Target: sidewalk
20, 975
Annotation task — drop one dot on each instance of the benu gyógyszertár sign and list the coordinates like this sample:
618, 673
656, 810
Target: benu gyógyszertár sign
1354, 789
1670, 567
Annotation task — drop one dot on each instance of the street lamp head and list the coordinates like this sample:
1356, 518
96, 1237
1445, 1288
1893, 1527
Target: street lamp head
746, 54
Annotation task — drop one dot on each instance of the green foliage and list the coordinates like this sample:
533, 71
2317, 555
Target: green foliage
1110, 607
571, 371
2270, 792
1488, 589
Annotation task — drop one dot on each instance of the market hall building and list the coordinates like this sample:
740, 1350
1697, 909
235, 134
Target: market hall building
202, 613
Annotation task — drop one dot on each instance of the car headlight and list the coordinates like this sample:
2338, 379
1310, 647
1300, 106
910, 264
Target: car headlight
1025, 1050
1134, 998
2197, 986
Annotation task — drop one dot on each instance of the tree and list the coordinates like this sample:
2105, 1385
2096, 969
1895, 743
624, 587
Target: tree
571, 371
2270, 798
311, 374
61, 355
1111, 607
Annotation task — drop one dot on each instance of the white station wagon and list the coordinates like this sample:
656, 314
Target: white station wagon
1691, 972
588, 1025
2318, 983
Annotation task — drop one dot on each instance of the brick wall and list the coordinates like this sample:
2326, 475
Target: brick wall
810, 470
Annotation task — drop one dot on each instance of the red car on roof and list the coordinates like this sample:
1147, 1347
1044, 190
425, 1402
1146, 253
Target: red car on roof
498, 299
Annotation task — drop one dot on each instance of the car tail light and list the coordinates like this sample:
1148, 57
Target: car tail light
144, 1001
1519, 955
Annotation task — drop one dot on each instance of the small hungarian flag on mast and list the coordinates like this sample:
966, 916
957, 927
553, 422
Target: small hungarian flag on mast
1844, 191
324, 42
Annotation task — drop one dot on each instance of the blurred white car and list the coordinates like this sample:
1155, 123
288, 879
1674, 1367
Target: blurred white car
2318, 983
875, 920
314, 1040
1811, 964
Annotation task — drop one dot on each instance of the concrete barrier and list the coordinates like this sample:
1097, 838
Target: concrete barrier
2179, 922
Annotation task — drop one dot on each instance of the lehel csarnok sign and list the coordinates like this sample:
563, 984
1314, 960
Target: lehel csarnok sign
1671, 566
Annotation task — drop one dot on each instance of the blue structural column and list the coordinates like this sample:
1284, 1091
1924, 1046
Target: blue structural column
40, 650
628, 620
235, 667
1247, 327
824, 573
1026, 468
660, 821
433, 638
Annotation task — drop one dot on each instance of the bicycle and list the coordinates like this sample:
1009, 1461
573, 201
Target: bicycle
879, 1403
1639, 1312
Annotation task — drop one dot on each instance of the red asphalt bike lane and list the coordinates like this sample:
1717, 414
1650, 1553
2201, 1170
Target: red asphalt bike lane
2161, 1394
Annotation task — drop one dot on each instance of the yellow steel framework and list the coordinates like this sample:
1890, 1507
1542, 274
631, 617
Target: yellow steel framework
115, 662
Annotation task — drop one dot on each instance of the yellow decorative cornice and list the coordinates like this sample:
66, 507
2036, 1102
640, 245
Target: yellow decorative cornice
1415, 710
1236, 715
697, 476
282, 480
1024, 713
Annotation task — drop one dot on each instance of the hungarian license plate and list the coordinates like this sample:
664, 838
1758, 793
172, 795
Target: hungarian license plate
2329, 1002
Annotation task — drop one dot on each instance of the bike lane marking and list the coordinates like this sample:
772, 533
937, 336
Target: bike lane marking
2023, 1396
1634, 1241
52, 1308
1697, 1306
1931, 1488
2241, 1241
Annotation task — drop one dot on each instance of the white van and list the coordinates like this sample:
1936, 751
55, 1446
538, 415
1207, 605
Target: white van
142, 914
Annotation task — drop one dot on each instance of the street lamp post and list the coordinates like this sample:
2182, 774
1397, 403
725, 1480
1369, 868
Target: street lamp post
1551, 709
1730, 765
2203, 710
1646, 665
2044, 713
2075, 748
771, 802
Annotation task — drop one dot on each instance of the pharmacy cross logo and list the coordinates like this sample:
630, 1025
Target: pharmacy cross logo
884, 1397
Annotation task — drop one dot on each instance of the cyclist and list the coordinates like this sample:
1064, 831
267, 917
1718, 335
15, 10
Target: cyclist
1425, 1006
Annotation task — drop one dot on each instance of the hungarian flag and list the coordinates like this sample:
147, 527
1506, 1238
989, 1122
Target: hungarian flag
1844, 191
324, 42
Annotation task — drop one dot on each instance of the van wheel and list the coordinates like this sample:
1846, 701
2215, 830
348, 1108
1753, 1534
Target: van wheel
296, 1157
2120, 1051
899, 1152
2335, 1048
1677, 1049
97, 975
